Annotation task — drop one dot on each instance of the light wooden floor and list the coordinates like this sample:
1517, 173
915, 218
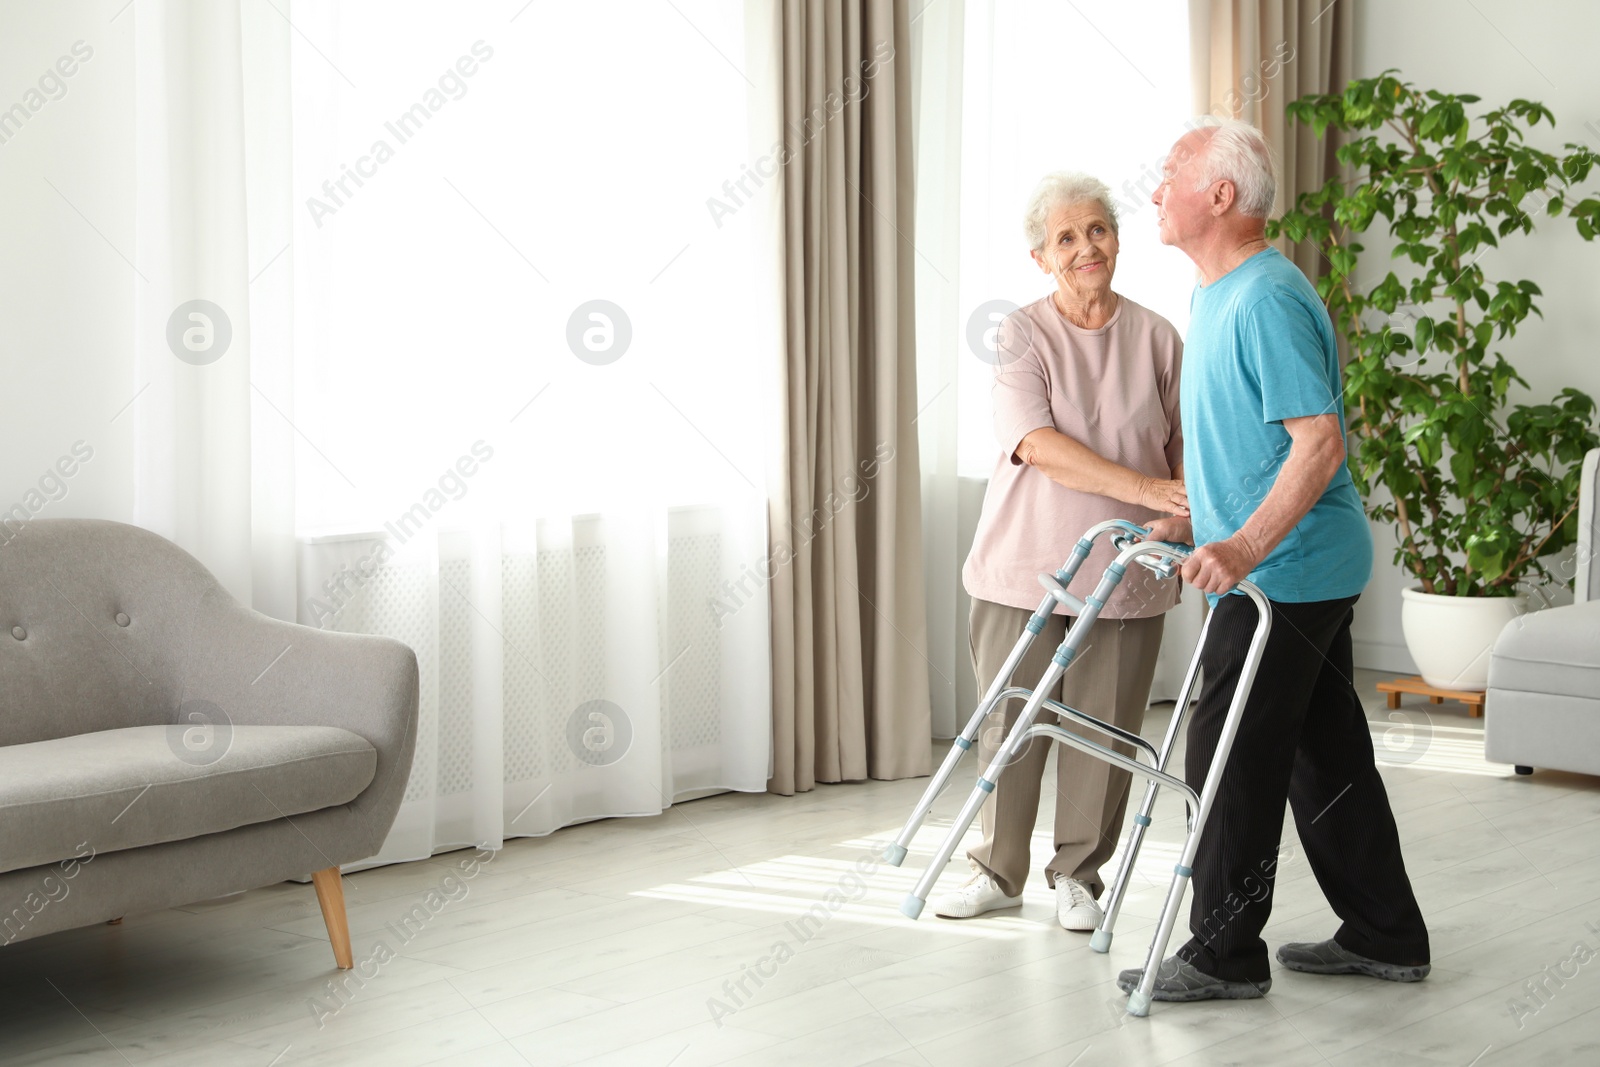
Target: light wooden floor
621, 942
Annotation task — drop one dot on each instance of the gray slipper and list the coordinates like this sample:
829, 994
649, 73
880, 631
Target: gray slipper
1180, 981
1329, 957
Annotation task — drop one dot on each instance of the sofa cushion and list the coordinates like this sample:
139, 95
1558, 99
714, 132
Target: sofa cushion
143, 785
1554, 651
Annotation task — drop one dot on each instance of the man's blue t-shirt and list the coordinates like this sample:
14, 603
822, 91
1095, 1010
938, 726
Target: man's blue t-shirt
1260, 350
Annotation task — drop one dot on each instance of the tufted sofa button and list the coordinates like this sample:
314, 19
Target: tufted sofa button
122, 619
19, 633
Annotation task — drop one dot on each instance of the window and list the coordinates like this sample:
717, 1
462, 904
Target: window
1094, 86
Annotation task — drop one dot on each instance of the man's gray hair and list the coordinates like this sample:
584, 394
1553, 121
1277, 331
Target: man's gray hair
1238, 152
1063, 187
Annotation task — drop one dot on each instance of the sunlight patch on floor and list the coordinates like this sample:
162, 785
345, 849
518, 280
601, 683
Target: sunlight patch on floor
1425, 747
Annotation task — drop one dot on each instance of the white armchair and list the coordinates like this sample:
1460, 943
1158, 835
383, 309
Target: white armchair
1543, 704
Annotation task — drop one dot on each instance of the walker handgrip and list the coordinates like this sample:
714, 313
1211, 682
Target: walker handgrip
1164, 568
1123, 539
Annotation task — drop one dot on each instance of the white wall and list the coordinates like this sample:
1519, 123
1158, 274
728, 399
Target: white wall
66, 294
1498, 49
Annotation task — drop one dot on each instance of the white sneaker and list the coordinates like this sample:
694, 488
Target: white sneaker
976, 896
1076, 908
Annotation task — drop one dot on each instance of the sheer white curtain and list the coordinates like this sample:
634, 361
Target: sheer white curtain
212, 219
1096, 86
536, 272
937, 51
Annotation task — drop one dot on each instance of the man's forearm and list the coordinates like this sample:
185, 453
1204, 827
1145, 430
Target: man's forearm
1077, 466
1313, 460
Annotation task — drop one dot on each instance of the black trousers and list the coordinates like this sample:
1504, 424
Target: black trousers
1302, 738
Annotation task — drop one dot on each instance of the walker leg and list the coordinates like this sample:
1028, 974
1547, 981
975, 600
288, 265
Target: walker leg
895, 853
1139, 999
912, 906
1100, 940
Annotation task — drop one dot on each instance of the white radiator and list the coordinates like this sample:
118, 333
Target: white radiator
517, 633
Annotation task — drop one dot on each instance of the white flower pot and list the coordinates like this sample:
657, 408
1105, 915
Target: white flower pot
1451, 637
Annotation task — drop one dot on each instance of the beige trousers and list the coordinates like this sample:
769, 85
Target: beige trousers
1110, 679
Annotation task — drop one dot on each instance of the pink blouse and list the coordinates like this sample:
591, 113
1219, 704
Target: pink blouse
1113, 390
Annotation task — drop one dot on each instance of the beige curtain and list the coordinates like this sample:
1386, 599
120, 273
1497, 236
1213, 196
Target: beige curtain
1250, 58
850, 686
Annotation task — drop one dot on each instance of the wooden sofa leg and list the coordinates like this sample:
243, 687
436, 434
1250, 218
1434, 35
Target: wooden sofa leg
330, 895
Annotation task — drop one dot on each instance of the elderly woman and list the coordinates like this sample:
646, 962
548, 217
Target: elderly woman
1086, 412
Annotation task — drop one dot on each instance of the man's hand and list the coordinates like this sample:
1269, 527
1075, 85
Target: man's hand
1221, 565
1167, 497
1175, 529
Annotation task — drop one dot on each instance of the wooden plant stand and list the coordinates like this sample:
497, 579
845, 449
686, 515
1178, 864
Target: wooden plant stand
1415, 686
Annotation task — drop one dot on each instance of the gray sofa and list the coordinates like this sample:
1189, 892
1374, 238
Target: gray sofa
161, 744
1543, 704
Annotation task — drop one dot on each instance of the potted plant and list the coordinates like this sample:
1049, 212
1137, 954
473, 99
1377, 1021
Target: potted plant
1482, 488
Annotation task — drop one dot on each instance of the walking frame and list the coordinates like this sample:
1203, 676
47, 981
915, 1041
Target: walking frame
1164, 559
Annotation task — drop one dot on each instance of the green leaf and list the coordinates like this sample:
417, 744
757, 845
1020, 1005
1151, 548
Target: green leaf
1424, 332
1488, 561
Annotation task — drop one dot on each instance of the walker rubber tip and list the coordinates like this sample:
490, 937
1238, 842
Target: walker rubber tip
911, 907
894, 855
1100, 941
1138, 1004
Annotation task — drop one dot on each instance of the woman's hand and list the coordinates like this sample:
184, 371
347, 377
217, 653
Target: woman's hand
1174, 530
1168, 497
1072, 464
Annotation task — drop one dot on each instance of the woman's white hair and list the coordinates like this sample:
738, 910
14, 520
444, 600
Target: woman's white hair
1238, 152
1063, 187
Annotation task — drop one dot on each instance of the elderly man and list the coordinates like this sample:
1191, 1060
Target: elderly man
1270, 499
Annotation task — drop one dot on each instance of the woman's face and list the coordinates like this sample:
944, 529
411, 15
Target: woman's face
1080, 249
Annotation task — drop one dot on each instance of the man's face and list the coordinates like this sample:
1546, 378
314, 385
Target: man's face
1183, 212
